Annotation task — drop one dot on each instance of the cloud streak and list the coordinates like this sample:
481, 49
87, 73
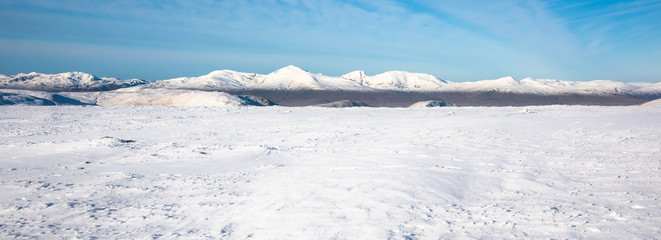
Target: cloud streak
469, 40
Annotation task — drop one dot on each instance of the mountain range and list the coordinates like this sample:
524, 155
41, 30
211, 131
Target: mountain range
292, 78
69, 81
292, 85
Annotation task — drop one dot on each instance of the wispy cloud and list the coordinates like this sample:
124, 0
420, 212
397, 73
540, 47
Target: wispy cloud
467, 40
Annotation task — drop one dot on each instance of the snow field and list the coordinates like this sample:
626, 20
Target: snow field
318, 173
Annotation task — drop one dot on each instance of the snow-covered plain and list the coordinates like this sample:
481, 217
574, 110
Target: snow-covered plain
318, 173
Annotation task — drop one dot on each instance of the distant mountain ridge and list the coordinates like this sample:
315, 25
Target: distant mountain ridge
69, 81
292, 78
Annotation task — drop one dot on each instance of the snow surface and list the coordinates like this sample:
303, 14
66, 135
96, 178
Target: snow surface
69, 81
319, 173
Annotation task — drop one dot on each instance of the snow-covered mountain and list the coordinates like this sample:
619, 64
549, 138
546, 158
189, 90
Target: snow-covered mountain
552, 87
397, 80
216, 80
292, 78
69, 81
295, 78
287, 78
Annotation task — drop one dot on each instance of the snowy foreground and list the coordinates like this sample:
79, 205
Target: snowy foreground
318, 173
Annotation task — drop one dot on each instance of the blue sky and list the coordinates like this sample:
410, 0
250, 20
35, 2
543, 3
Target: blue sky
453, 40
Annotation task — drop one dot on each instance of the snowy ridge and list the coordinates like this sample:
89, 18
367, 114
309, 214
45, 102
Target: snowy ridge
397, 80
216, 80
69, 81
547, 86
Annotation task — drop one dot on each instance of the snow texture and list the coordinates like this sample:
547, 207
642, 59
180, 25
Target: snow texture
554, 172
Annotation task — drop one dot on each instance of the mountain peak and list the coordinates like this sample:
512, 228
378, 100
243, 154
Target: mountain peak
404, 80
509, 80
357, 76
289, 69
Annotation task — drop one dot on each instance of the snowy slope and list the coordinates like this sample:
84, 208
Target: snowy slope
140, 96
133, 96
552, 172
645, 88
543, 86
19, 98
653, 103
42, 98
69, 81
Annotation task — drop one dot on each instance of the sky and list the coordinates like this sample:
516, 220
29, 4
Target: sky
453, 40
